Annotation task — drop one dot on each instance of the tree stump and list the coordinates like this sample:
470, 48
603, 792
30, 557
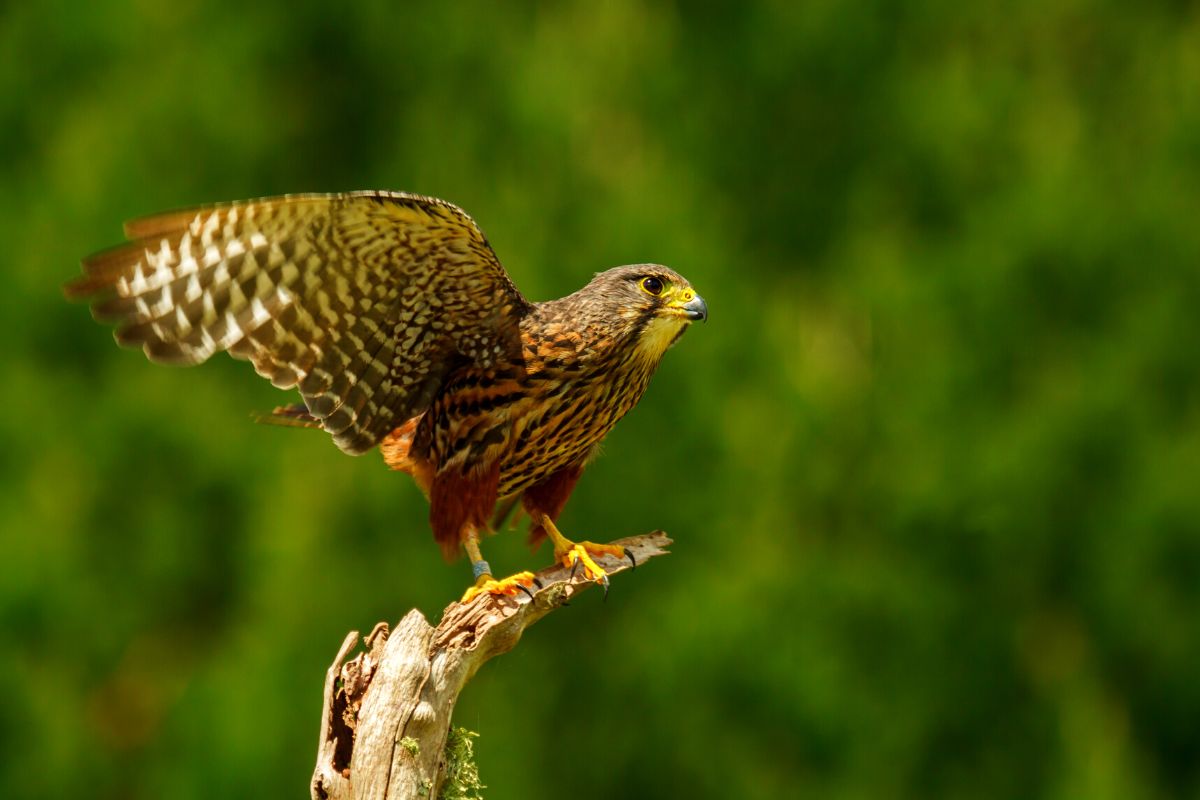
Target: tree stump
386, 714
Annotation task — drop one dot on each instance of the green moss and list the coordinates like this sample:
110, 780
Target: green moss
462, 774
410, 744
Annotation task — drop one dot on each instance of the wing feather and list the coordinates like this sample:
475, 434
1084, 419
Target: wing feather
363, 301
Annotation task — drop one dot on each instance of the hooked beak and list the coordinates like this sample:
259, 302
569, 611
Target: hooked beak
696, 308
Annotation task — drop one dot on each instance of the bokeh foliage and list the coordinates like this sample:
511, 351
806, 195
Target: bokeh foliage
932, 466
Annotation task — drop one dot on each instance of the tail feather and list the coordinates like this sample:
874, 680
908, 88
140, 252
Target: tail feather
504, 510
294, 416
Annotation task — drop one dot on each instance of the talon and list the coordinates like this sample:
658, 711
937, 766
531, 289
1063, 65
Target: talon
538, 582
525, 589
632, 560
570, 554
486, 584
574, 555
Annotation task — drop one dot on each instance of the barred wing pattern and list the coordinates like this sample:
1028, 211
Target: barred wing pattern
362, 301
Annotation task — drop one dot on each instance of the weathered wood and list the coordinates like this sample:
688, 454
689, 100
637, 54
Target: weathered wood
387, 711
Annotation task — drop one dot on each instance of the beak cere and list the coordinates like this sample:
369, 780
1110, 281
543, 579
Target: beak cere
696, 308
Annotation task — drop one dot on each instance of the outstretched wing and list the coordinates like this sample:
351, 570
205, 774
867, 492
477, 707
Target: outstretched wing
362, 301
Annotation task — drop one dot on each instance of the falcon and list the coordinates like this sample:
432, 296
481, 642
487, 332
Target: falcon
393, 318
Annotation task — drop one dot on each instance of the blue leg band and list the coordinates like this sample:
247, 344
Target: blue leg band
480, 568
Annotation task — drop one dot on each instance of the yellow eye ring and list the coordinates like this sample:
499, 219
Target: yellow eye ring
652, 285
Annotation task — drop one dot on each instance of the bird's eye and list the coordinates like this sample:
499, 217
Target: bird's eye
652, 285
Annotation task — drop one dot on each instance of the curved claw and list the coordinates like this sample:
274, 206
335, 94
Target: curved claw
632, 560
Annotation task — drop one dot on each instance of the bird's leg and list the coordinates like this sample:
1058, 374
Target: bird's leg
484, 582
579, 554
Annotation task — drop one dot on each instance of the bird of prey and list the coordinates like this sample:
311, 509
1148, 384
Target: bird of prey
394, 319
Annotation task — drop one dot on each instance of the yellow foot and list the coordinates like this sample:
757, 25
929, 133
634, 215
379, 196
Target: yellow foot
580, 555
486, 584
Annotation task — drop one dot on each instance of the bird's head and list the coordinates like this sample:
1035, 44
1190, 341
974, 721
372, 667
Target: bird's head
653, 303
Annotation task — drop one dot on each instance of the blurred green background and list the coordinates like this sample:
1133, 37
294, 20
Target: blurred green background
932, 466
